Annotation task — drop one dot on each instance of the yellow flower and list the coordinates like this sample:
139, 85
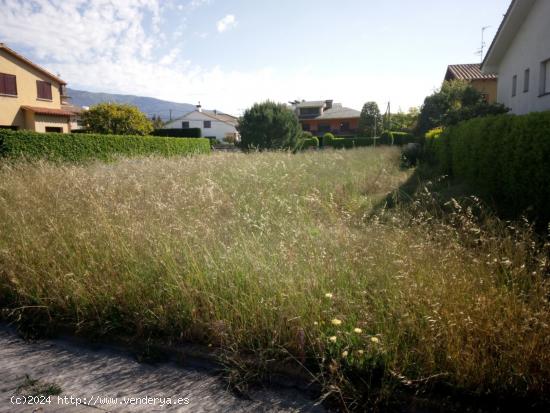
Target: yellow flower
375, 340
357, 330
336, 322
360, 352
315, 323
344, 354
332, 339
328, 295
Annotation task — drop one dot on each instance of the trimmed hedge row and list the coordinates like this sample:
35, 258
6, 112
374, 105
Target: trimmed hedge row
397, 138
506, 157
178, 133
340, 143
81, 147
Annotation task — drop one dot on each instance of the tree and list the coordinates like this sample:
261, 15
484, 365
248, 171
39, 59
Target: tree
370, 120
269, 125
157, 122
403, 122
456, 101
116, 119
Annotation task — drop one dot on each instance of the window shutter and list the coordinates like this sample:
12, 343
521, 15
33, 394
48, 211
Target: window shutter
8, 84
44, 90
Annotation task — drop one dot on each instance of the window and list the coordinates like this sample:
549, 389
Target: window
44, 90
514, 85
526, 77
54, 129
8, 85
324, 127
207, 124
545, 78
310, 112
11, 127
306, 127
344, 126
185, 125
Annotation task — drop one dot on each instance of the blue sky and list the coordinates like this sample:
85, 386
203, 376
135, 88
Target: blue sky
231, 53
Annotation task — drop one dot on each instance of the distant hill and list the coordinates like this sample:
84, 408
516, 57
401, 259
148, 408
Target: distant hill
149, 106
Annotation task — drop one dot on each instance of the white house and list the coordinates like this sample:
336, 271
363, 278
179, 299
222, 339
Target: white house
520, 55
213, 124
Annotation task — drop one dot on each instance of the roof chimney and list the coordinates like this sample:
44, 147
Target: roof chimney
328, 104
199, 107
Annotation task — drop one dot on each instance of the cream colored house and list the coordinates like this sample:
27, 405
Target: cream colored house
520, 55
31, 97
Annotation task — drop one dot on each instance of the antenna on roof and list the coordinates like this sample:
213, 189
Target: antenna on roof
482, 48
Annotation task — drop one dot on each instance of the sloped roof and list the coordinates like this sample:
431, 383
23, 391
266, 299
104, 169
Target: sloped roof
220, 117
510, 25
48, 111
311, 104
224, 117
471, 71
34, 65
339, 112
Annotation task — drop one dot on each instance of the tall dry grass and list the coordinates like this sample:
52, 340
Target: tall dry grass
282, 256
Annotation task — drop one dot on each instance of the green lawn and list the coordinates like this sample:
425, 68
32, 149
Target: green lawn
288, 258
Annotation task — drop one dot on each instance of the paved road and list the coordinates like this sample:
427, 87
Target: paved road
106, 373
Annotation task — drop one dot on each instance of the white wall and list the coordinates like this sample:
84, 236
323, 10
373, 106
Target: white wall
196, 120
530, 47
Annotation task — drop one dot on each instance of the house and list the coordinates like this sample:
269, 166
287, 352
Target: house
485, 83
319, 117
520, 55
213, 124
31, 97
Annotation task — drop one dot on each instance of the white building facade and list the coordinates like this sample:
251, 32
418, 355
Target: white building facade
213, 124
520, 55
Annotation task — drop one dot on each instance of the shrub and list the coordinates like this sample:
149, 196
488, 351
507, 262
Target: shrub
433, 133
116, 119
349, 143
306, 141
386, 138
68, 147
505, 157
269, 125
327, 139
403, 138
178, 133
396, 138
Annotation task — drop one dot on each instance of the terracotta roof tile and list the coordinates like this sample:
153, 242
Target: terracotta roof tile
467, 72
48, 111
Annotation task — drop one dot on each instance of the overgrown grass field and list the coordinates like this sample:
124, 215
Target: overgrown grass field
285, 258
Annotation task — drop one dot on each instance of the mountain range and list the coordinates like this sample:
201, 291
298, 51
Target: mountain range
150, 106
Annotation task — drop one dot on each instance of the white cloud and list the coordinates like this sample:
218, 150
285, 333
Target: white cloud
104, 46
226, 23
198, 3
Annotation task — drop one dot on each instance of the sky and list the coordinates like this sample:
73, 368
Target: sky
229, 54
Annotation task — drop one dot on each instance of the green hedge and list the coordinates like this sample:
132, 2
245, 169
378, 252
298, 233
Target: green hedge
348, 142
506, 157
178, 133
396, 138
80, 147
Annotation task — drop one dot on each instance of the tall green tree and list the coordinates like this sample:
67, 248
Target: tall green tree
116, 119
269, 125
157, 122
456, 101
403, 121
370, 120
